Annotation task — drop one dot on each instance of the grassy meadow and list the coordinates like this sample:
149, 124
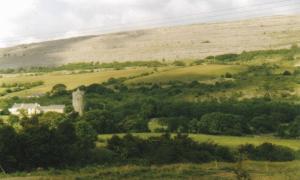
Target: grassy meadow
192, 73
71, 80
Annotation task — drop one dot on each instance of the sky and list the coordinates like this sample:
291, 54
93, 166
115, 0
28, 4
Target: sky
25, 21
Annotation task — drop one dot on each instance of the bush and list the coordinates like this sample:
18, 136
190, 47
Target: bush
264, 124
228, 75
291, 130
178, 63
220, 123
227, 57
38, 145
164, 149
267, 152
287, 73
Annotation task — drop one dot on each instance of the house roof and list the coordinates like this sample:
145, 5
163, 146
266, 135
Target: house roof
25, 106
53, 107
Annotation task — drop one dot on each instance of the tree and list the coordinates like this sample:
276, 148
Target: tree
102, 121
86, 134
134, 123
59, 89
220, 123
287, 73
178, 63
294, 128
8, 147
98, 89
263, 124
52, 119
228, 75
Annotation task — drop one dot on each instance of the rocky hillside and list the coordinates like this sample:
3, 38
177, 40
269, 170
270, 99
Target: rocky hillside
171, 43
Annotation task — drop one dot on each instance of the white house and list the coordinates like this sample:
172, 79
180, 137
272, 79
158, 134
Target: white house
33, 109
53, 108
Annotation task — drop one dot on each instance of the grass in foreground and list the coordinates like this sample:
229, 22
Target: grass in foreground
214, 170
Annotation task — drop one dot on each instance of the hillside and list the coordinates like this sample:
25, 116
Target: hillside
181, 42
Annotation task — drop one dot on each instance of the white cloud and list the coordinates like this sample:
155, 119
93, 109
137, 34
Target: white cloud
27, 20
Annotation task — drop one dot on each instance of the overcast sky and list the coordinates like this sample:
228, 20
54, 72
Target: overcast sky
24, 21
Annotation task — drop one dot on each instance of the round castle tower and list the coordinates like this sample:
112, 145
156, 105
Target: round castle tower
78, 101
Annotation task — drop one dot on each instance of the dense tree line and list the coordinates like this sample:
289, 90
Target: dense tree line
116, 108
181, 148
267, 152
50, 140
85, 66
164, 149
287, 54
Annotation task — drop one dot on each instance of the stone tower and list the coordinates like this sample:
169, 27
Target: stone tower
77, 101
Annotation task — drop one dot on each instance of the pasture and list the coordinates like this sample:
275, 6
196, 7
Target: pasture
69, 79
191, 73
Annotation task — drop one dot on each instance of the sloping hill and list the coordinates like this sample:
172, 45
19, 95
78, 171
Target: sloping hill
181, 42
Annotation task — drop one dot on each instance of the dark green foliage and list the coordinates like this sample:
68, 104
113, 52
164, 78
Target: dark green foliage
267, 152
227, 57
264, 124
287, 73
287, 54
228, 75
134, 124
291, 130
59, 89
164, 149
178, 63
220, 123
176, 124
98, 89
111, 110
41, 145
101, 120
8, 149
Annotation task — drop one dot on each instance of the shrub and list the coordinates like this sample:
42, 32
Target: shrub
220, 123
178, 63
287, 73
164, 149
263, 124
267, 152
227, 57
228, 75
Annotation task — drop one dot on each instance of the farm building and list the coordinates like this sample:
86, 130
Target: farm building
32, 109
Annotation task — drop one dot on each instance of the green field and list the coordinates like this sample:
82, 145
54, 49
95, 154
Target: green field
198, 73
231, 141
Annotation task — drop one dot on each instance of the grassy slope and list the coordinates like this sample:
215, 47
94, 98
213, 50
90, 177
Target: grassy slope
70, 80
201, 72
181, 42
